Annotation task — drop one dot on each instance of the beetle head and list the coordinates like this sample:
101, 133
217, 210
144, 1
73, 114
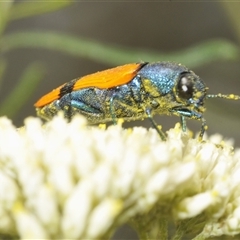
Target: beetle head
190, 91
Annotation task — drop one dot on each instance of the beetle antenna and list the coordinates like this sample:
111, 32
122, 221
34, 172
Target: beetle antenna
226, 96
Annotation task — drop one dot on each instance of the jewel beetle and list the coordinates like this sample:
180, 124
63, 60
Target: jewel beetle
130, 92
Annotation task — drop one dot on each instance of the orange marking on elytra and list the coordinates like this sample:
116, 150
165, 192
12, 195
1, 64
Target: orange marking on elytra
49, 97
104, 79
109, 78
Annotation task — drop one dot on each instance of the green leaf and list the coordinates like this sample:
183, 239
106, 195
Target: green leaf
22, 91
197, 55
3, 66
232, 9
5, 7
28, 9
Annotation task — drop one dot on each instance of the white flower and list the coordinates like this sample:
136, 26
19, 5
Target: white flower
68, 180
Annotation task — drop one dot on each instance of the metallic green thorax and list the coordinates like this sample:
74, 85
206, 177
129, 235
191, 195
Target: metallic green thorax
158, 88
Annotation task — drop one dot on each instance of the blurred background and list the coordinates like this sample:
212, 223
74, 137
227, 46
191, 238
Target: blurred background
44, 44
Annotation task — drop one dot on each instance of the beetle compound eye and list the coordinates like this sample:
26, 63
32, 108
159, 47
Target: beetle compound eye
185, 86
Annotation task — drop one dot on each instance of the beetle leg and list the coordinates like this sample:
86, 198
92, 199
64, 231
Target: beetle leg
203, 129
154, 124
69, 111
183, 123
192, 115
112, 113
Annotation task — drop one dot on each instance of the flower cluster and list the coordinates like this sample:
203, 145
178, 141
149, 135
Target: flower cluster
69, 180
